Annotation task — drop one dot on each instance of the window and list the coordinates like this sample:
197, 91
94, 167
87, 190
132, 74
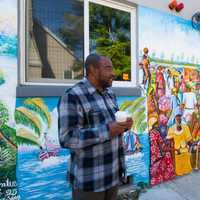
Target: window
59, 35
55, 40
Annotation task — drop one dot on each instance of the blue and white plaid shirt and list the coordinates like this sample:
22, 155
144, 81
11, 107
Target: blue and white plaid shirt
97, 160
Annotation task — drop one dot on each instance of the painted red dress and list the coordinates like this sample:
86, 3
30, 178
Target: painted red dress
162, 167
160, 85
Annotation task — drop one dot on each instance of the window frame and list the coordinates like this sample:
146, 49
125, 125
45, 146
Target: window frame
23, 52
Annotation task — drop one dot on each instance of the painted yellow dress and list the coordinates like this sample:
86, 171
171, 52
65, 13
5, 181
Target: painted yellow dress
182, 160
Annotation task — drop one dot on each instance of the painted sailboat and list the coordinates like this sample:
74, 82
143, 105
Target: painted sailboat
50, 150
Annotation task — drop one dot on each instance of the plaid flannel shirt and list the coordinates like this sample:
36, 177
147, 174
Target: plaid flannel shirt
97, 160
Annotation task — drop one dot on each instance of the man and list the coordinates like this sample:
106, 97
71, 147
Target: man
145, 65
87, 126
169, 82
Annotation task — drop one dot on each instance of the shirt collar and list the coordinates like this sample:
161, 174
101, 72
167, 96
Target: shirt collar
92, 89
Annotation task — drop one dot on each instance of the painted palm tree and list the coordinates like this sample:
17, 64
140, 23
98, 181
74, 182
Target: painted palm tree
33, 119
138, 112
5, 131
8, 146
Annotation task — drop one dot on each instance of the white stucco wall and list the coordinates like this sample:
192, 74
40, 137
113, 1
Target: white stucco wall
191, 6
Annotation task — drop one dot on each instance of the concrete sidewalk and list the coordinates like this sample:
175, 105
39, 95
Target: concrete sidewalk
181, 188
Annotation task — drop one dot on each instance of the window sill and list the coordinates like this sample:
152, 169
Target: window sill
54, 91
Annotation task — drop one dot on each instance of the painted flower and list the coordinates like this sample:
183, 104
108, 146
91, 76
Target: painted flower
164, 103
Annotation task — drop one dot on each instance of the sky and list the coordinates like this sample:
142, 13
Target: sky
167, 35
8, 17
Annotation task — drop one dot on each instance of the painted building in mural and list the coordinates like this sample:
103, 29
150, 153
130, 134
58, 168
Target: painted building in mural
165, 134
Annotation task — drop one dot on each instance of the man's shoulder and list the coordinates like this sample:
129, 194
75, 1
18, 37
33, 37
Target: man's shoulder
77, 90
111, 92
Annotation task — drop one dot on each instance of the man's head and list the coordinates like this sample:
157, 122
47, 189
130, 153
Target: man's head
146, 50
99, 70
178, 119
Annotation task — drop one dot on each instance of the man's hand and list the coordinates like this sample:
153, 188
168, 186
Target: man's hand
117, 128
129, 122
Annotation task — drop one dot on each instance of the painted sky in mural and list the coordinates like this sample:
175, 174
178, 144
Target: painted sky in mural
168, 37
8, 28
8, 17
8, 54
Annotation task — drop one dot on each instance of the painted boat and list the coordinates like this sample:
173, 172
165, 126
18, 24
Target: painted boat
45, 154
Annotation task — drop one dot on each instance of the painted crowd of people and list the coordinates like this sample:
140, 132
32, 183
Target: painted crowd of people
173, 116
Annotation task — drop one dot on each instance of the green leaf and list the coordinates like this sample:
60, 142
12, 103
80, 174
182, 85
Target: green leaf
136, 103
4, 116
21, 140
21, 118
125, 105
142, 127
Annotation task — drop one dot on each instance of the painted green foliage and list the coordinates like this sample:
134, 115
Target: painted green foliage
27, 120
138, 112
8, 146
3, 114
33, 116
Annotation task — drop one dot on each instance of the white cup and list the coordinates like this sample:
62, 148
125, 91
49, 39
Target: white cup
121, 116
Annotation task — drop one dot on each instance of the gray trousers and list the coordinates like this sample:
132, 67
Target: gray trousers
110, 194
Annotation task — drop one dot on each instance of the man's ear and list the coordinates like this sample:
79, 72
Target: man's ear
93, 70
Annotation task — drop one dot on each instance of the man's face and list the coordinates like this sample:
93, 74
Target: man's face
178, 120
105, 73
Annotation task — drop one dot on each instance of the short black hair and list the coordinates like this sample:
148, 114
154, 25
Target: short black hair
92, 59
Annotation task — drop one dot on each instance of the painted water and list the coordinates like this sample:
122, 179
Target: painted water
137, 164
8, 45
43, 179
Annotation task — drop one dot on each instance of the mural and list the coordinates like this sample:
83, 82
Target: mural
8, 79
136, 141
171, 79
42, 164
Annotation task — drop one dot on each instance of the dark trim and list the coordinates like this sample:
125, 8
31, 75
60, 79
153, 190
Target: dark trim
53, 91
124, 91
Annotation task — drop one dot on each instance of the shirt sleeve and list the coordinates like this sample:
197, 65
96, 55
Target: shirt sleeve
72, 133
